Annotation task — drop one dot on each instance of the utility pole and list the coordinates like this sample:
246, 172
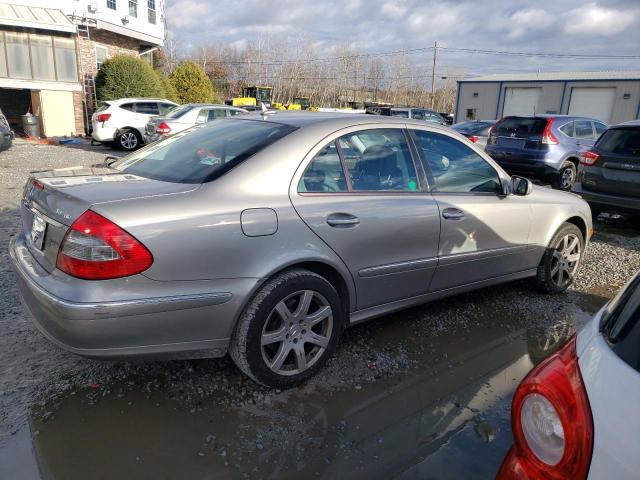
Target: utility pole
433, 75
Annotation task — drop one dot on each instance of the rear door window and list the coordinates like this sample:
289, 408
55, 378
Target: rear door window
148, 108
217, 113
165, 108
620, 141
204, 153
583, 130
455, 167
379, 160
324, 173
521, 127
127, 106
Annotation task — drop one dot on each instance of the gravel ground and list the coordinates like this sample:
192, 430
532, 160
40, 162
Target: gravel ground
37, 373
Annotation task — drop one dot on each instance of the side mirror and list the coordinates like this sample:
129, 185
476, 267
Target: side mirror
521, 186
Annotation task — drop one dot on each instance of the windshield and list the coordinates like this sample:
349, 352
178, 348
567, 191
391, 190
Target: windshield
521, 127
203, 153
622, 141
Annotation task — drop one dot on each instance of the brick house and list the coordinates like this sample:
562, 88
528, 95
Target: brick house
54, 83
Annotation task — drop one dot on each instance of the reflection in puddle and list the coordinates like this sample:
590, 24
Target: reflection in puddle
455, 400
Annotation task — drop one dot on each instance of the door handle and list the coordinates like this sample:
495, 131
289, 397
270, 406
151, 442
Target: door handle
342, 220
452, 214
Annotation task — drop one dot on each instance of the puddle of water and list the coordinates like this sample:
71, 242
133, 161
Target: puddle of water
453, 404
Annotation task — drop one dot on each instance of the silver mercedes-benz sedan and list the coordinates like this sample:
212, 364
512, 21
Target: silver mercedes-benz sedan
265, 236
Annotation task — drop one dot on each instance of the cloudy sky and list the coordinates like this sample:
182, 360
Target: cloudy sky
607, 27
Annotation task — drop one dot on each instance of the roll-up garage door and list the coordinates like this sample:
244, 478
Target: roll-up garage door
520, 101
594, 102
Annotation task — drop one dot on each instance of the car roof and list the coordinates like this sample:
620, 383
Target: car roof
557, 116
133, 99
332, 120
630, 123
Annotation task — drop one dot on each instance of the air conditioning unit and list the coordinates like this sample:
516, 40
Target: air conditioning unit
92, 7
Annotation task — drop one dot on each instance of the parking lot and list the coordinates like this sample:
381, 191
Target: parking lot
403, 396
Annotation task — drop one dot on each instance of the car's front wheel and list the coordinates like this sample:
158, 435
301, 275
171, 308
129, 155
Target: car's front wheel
288, 330
128, 139
562, 257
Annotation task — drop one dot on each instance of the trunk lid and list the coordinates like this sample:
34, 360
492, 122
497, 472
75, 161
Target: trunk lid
520, 133
54, 199
617, 170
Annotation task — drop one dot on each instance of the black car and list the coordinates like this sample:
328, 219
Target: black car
407, 112
609, 173
6, 134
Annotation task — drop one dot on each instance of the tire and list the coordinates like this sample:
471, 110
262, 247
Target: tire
291, 336
561, 260
128, 139
566, 176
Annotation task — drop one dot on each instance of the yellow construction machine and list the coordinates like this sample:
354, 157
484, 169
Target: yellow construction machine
253, 96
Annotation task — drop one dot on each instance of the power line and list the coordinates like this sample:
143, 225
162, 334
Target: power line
541, 54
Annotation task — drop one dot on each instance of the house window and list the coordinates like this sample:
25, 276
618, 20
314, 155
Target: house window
112, 4
133, 8
66, 65
101, 55
151, 9
42, 57
18, 55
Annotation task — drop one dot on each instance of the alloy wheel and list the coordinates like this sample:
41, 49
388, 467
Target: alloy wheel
565, 259
297, 332
128, 140
568, 177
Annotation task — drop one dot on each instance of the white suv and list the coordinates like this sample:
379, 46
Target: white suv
122, 122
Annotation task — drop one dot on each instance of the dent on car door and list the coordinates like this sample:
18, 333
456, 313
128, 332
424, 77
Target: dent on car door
483, 234
361, 194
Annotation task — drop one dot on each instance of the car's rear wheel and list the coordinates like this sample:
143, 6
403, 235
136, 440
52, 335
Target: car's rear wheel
128, 139
567, 176
288, 330
561, 260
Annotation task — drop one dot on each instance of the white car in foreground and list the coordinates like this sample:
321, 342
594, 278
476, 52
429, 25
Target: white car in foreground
576, 414
122, 122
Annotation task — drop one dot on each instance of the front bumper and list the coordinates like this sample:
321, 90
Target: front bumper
159, 319
608, 200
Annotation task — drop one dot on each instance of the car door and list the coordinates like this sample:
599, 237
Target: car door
483, 234
361, 193
583, 135
143, 112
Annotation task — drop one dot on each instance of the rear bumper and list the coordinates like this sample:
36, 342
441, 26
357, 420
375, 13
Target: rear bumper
102, 134
523, 164
619, 202
145, 323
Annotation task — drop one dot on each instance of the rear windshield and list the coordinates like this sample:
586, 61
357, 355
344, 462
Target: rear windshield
521, 127
178, 111
471, 128
621, 323
623, 141
203, 153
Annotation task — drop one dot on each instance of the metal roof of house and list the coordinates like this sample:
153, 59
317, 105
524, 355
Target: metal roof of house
35, 17
555, 76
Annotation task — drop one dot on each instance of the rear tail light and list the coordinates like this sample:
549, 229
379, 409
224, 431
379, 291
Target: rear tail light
551, 421
548, 138
589, 158
473, 138
103, 117
163, 129
493, 136
95, 248
37, 184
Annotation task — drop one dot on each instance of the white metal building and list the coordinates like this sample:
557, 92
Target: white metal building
612, 97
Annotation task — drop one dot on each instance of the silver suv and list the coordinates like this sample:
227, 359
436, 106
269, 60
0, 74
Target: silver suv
266, 235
